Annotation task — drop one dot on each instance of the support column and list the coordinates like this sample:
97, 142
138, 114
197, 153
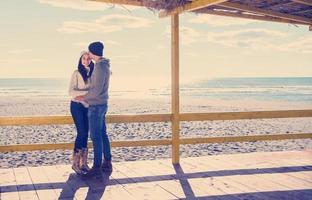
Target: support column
175, 100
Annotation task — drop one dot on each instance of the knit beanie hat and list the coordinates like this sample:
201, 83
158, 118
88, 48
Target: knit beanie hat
96, 48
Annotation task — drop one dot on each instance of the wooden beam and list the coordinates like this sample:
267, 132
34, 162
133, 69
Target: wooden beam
194, 5
305, 2
47, 120
245, 115
252, 17
260, 11
35, 120
175, 97
138, 118
249, 138
41, 147
201, 140
141, 143
121, 2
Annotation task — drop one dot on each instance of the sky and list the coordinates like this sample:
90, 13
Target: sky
43, 39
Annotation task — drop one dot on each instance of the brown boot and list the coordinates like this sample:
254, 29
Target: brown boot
84, 160
76, 161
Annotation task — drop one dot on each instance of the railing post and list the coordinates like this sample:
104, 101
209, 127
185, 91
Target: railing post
175, 102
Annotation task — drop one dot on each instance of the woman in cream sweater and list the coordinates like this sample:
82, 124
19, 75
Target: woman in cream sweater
79, 86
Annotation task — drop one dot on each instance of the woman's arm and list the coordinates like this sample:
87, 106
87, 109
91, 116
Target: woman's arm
73, 86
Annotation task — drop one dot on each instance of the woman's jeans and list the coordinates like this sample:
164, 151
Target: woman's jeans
97, 124
80, 117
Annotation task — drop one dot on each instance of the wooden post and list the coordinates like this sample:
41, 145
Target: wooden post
175, 102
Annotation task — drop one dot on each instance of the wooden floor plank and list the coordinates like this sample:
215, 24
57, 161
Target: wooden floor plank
78, 187
267, 182
271, 164
207, 185
58, 181
140, 173
94, 188
194, 187
148, 190
25, 187
116, 192
288, 179
162, 175
41, 183
8, 185
212, 165
303, 176
128, 172
261, 175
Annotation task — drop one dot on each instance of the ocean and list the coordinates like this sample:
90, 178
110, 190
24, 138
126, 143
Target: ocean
292, 89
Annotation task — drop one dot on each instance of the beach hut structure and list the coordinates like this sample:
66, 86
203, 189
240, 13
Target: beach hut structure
297, 12
28, 183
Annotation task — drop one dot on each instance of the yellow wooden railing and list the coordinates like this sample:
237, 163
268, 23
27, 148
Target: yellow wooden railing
48, 120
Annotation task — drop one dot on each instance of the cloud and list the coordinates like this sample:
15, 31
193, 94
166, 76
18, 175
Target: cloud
187, 35
261, 39
219, 21
161, 46
112, 42
19, 51
251, 38
82, 5
302, 45
191, 54
85, 44
14, 61
107, 24
123, 59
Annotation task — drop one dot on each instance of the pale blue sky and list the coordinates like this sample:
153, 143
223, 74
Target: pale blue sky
43, 38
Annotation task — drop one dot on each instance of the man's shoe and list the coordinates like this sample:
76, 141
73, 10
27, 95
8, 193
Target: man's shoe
107, 166
94, 172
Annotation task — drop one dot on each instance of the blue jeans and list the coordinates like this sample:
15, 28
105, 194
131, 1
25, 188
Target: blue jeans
80, 117
97, 125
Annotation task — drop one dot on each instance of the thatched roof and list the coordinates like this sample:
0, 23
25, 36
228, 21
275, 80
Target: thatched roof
164, 4
286, 11
275, 8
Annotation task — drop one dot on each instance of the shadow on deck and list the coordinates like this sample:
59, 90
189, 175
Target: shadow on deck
238, 176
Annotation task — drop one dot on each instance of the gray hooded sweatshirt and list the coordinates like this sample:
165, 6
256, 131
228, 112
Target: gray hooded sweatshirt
98, 92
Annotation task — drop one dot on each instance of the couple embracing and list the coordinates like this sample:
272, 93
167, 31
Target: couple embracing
89, 90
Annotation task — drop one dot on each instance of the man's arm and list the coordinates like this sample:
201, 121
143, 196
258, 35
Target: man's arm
96, 86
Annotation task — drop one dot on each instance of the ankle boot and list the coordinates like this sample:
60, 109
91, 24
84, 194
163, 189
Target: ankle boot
76, 161
84, 160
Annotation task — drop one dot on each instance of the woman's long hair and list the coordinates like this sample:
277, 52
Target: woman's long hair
82, 70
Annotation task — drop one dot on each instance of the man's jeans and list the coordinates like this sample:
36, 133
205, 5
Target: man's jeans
97, 127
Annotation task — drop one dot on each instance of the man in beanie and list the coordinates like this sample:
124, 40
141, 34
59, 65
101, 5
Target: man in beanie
97, 98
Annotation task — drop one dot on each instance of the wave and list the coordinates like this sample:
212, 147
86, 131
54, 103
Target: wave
289, 89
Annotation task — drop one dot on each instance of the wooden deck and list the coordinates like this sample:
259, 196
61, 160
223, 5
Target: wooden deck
269, 175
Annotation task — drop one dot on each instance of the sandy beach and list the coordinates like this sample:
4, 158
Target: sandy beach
135, 131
